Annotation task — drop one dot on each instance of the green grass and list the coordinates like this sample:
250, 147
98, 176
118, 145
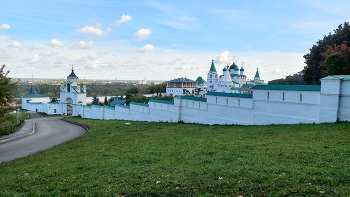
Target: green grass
171, 159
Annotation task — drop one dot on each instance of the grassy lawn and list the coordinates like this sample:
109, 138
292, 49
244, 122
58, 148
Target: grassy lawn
171, 159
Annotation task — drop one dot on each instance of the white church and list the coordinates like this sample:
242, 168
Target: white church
267, 104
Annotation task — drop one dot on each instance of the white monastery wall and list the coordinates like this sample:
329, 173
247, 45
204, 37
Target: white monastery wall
328, 103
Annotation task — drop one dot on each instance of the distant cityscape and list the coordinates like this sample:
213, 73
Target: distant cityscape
36, 81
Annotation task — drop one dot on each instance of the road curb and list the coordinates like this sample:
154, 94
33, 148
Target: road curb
84, 126
19, 136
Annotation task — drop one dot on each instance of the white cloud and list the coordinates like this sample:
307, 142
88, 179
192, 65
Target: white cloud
4, 27
83, 45
56, 43
123, 19
146, 48
92, 30
17, 45
6, 54
223, 57
142, 34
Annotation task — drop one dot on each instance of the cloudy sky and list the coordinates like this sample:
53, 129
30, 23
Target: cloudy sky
161, 40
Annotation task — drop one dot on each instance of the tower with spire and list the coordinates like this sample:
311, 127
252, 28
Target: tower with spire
212, 78
72, 93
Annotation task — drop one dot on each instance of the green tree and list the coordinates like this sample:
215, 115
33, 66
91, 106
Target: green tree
315, 68
133, 90
106, 101
95, 100
7, 91
337, 60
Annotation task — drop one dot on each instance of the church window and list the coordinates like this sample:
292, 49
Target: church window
54, 110
283, 96
68, 87
210, 81
268, 95
301, 97
211, 76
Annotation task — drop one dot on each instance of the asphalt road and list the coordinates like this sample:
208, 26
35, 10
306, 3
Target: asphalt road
49, 132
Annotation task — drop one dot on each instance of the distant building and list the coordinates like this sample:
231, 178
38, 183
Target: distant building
233, 79
181, 86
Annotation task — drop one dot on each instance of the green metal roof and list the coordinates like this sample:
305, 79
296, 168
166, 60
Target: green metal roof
337, 77
236, 68
288, 87
192, 98
212, 67
242, 69
181, 80
33, 94
200, 80
257, 75
141, 104
230, 94
161, 101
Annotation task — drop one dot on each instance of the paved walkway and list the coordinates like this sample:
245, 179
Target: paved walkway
38, 133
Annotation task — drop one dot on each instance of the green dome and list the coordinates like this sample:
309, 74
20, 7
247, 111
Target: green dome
242, 69
236, 68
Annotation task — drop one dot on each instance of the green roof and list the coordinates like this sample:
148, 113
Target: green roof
230, 94
242, 69
288, 87
181, 80
212, 67
33, 94
192, 98
141, 104
337, 77
200, 80
161, 101
257, 74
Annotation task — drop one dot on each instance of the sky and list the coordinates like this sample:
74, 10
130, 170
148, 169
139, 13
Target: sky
162, 40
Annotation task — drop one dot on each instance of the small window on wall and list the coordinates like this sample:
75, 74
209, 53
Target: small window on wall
283, 96
268, 95
227, 101
301, 97
68, 87
239, 102
54, 110
216, 99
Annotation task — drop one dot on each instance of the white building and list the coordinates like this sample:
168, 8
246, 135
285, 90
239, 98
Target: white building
268, 104
181, 86
232, 79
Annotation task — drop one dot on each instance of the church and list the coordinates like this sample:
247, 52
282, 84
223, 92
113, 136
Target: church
264, 105
72, 92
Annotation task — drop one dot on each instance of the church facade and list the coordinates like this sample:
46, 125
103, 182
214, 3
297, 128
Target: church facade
267, 104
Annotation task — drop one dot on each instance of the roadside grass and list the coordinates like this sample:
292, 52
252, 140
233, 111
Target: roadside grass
171, 159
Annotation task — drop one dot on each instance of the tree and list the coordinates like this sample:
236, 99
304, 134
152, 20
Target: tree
133, 90
106, 101
95, 100
7, 91
337, 60
315, 68
296, 79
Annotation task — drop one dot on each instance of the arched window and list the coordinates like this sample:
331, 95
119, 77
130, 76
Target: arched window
68, 87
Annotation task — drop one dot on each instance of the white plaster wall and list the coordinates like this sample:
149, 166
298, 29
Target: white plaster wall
278, 112
51, 108
225, 114
161, 112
